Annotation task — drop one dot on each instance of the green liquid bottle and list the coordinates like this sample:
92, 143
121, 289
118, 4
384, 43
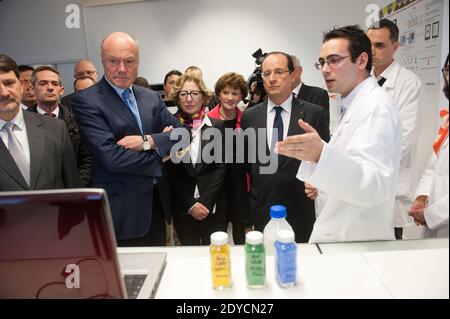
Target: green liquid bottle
255, 260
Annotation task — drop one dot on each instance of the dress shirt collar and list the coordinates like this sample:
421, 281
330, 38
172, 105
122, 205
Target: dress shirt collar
119, 90
387, 72
18, 120
286, 105
41, 111
296, 91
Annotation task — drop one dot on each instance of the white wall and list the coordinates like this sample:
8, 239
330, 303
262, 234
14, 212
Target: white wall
220, 36
34, 32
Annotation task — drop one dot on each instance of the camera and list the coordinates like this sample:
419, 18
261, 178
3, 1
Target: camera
255, 81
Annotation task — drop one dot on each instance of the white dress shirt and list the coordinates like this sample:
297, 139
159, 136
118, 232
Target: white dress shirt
406, 90
357, 172
296, 91
20, 131
55, 111
285, 116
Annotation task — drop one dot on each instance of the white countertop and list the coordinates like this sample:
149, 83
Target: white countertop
400, 269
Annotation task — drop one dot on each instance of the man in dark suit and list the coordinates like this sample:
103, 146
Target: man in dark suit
282, 111
47, 87
311, 94
35, 151
123, 125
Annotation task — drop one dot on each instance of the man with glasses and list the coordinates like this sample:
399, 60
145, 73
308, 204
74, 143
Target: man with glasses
82, 69
278, 116
353, 177
122, 125
406, 90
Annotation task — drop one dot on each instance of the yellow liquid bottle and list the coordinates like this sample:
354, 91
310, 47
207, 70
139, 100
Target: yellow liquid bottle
220, 261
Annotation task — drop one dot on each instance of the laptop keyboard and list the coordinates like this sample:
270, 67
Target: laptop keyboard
133, 284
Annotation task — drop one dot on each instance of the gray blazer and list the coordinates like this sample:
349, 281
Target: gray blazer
53, 164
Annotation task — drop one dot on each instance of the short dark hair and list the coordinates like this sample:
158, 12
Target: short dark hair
173, 72
359, 42
24, 67
388, 24
84, 77
234, 80
7, 64
44, 68
290, 65
142, 82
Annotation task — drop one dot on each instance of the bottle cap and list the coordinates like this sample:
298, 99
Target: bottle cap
219, 238
278, 211
286, 236
254, 238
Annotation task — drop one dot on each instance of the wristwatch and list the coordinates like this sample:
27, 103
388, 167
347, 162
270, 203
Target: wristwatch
146, 144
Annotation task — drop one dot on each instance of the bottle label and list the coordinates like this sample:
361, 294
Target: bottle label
287, 265
256, 268
221, 274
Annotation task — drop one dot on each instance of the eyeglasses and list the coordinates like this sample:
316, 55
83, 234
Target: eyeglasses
331, 61
277, 73
194, 95
85, 73
445, 70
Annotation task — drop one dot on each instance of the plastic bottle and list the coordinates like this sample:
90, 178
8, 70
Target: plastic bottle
255, 260
277, 222
286, 259
220, 261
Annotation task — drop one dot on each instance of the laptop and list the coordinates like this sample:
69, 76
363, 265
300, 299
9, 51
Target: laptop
61, 244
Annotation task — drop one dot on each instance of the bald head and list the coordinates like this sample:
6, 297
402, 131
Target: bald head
120, 58
85, 68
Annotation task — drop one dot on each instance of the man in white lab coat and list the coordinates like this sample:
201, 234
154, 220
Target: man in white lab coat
355, 174
406, 90
430, 209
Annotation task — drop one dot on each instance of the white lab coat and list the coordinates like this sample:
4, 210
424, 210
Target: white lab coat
358, 170
434, 184
406, 90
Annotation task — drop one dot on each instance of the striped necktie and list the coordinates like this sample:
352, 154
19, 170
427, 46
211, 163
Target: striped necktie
16, 151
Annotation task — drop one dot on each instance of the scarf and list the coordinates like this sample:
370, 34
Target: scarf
194, 121
215, 114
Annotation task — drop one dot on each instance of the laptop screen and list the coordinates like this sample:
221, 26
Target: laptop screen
58, 244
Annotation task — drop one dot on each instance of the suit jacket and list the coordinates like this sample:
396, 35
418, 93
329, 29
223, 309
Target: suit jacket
127, 176
317, 96
283, 187
52, 163
67, 100
209, 177
82, 156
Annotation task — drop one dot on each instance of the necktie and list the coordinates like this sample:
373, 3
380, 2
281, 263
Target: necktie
53, 115
443, 131
16, 151
381, 81
277, 124
131, 103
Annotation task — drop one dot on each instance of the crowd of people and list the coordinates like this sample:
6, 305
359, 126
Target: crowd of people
115, 133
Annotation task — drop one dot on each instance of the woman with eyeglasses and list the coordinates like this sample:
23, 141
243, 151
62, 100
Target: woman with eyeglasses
431, 206
198, 173
230, 89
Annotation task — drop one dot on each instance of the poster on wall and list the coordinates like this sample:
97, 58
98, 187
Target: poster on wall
420, 23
